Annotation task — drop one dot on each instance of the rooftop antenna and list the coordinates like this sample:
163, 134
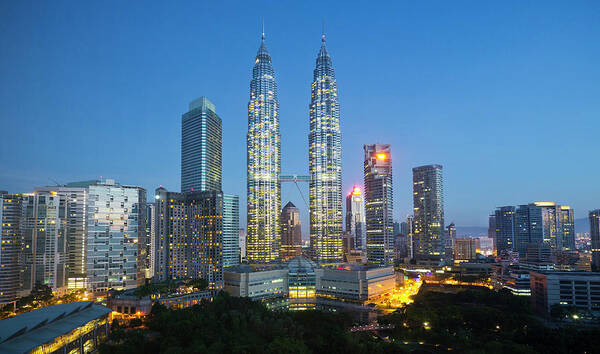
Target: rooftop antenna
263, 28
53, 180
323, 31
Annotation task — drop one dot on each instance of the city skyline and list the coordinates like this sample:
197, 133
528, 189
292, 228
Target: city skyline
469, 194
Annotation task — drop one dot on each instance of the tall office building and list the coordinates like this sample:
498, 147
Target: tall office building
558, 225
231, 227
325, 163
594, 216
428, 201
116, 233
264, 162
528, 227
189, 236
355, 217
44, 235
379, 204
504, 233
11, 244
291, 232
201, 137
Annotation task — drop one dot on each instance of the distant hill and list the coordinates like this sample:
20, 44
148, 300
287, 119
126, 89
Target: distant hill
471, 231
582, 225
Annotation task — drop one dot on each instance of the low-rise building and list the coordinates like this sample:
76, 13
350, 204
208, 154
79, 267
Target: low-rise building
579, 289
256, 282
354, 282
76, 327
511, 277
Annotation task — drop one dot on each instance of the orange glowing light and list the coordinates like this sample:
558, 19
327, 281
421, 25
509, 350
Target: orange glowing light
381, 156
356, 191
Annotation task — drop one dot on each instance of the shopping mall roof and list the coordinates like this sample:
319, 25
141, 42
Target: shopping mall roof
27, 331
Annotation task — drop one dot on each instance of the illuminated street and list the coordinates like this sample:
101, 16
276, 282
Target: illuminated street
399, 297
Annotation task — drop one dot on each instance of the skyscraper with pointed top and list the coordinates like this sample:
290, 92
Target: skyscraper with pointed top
264, 162
325, 163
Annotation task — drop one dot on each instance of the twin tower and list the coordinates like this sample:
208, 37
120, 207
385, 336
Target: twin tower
264, 163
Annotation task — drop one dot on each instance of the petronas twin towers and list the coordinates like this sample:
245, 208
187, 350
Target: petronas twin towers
264, 163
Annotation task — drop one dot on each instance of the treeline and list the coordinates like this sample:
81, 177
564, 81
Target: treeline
239, 325
486, 321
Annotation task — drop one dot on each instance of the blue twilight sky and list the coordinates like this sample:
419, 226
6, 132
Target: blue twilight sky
504, 95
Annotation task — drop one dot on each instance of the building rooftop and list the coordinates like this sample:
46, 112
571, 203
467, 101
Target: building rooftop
301, 264
27, 331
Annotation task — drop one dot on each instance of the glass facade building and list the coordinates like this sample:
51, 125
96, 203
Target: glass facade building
528, 227
558, 225
504, 229
428, 210
11, 244
115, 235
44, 233
355, 217
379, 204
231, 229
325, 163
201, 137
264, 162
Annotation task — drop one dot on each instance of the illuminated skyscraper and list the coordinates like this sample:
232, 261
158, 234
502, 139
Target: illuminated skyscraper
291, 233
428, 205
558, 225
189, 236
379, 204
264, 162
201, 147
11, 244
325, 163
355, 217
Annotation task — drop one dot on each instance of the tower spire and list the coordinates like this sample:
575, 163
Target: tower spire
263, 29
323, 31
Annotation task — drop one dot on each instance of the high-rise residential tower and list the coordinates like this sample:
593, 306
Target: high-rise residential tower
201, 136
291, 233
379, 204
325, 163
43, 227
189, 236
355, 217
11, 244
264, 162
116, 233
558, 225
428, 201
231, 229
594, 216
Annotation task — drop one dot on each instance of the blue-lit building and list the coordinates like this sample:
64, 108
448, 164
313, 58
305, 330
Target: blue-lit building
504, 229
428, 208
201, 137
264, 162
528, 227
231, 229
325, 163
